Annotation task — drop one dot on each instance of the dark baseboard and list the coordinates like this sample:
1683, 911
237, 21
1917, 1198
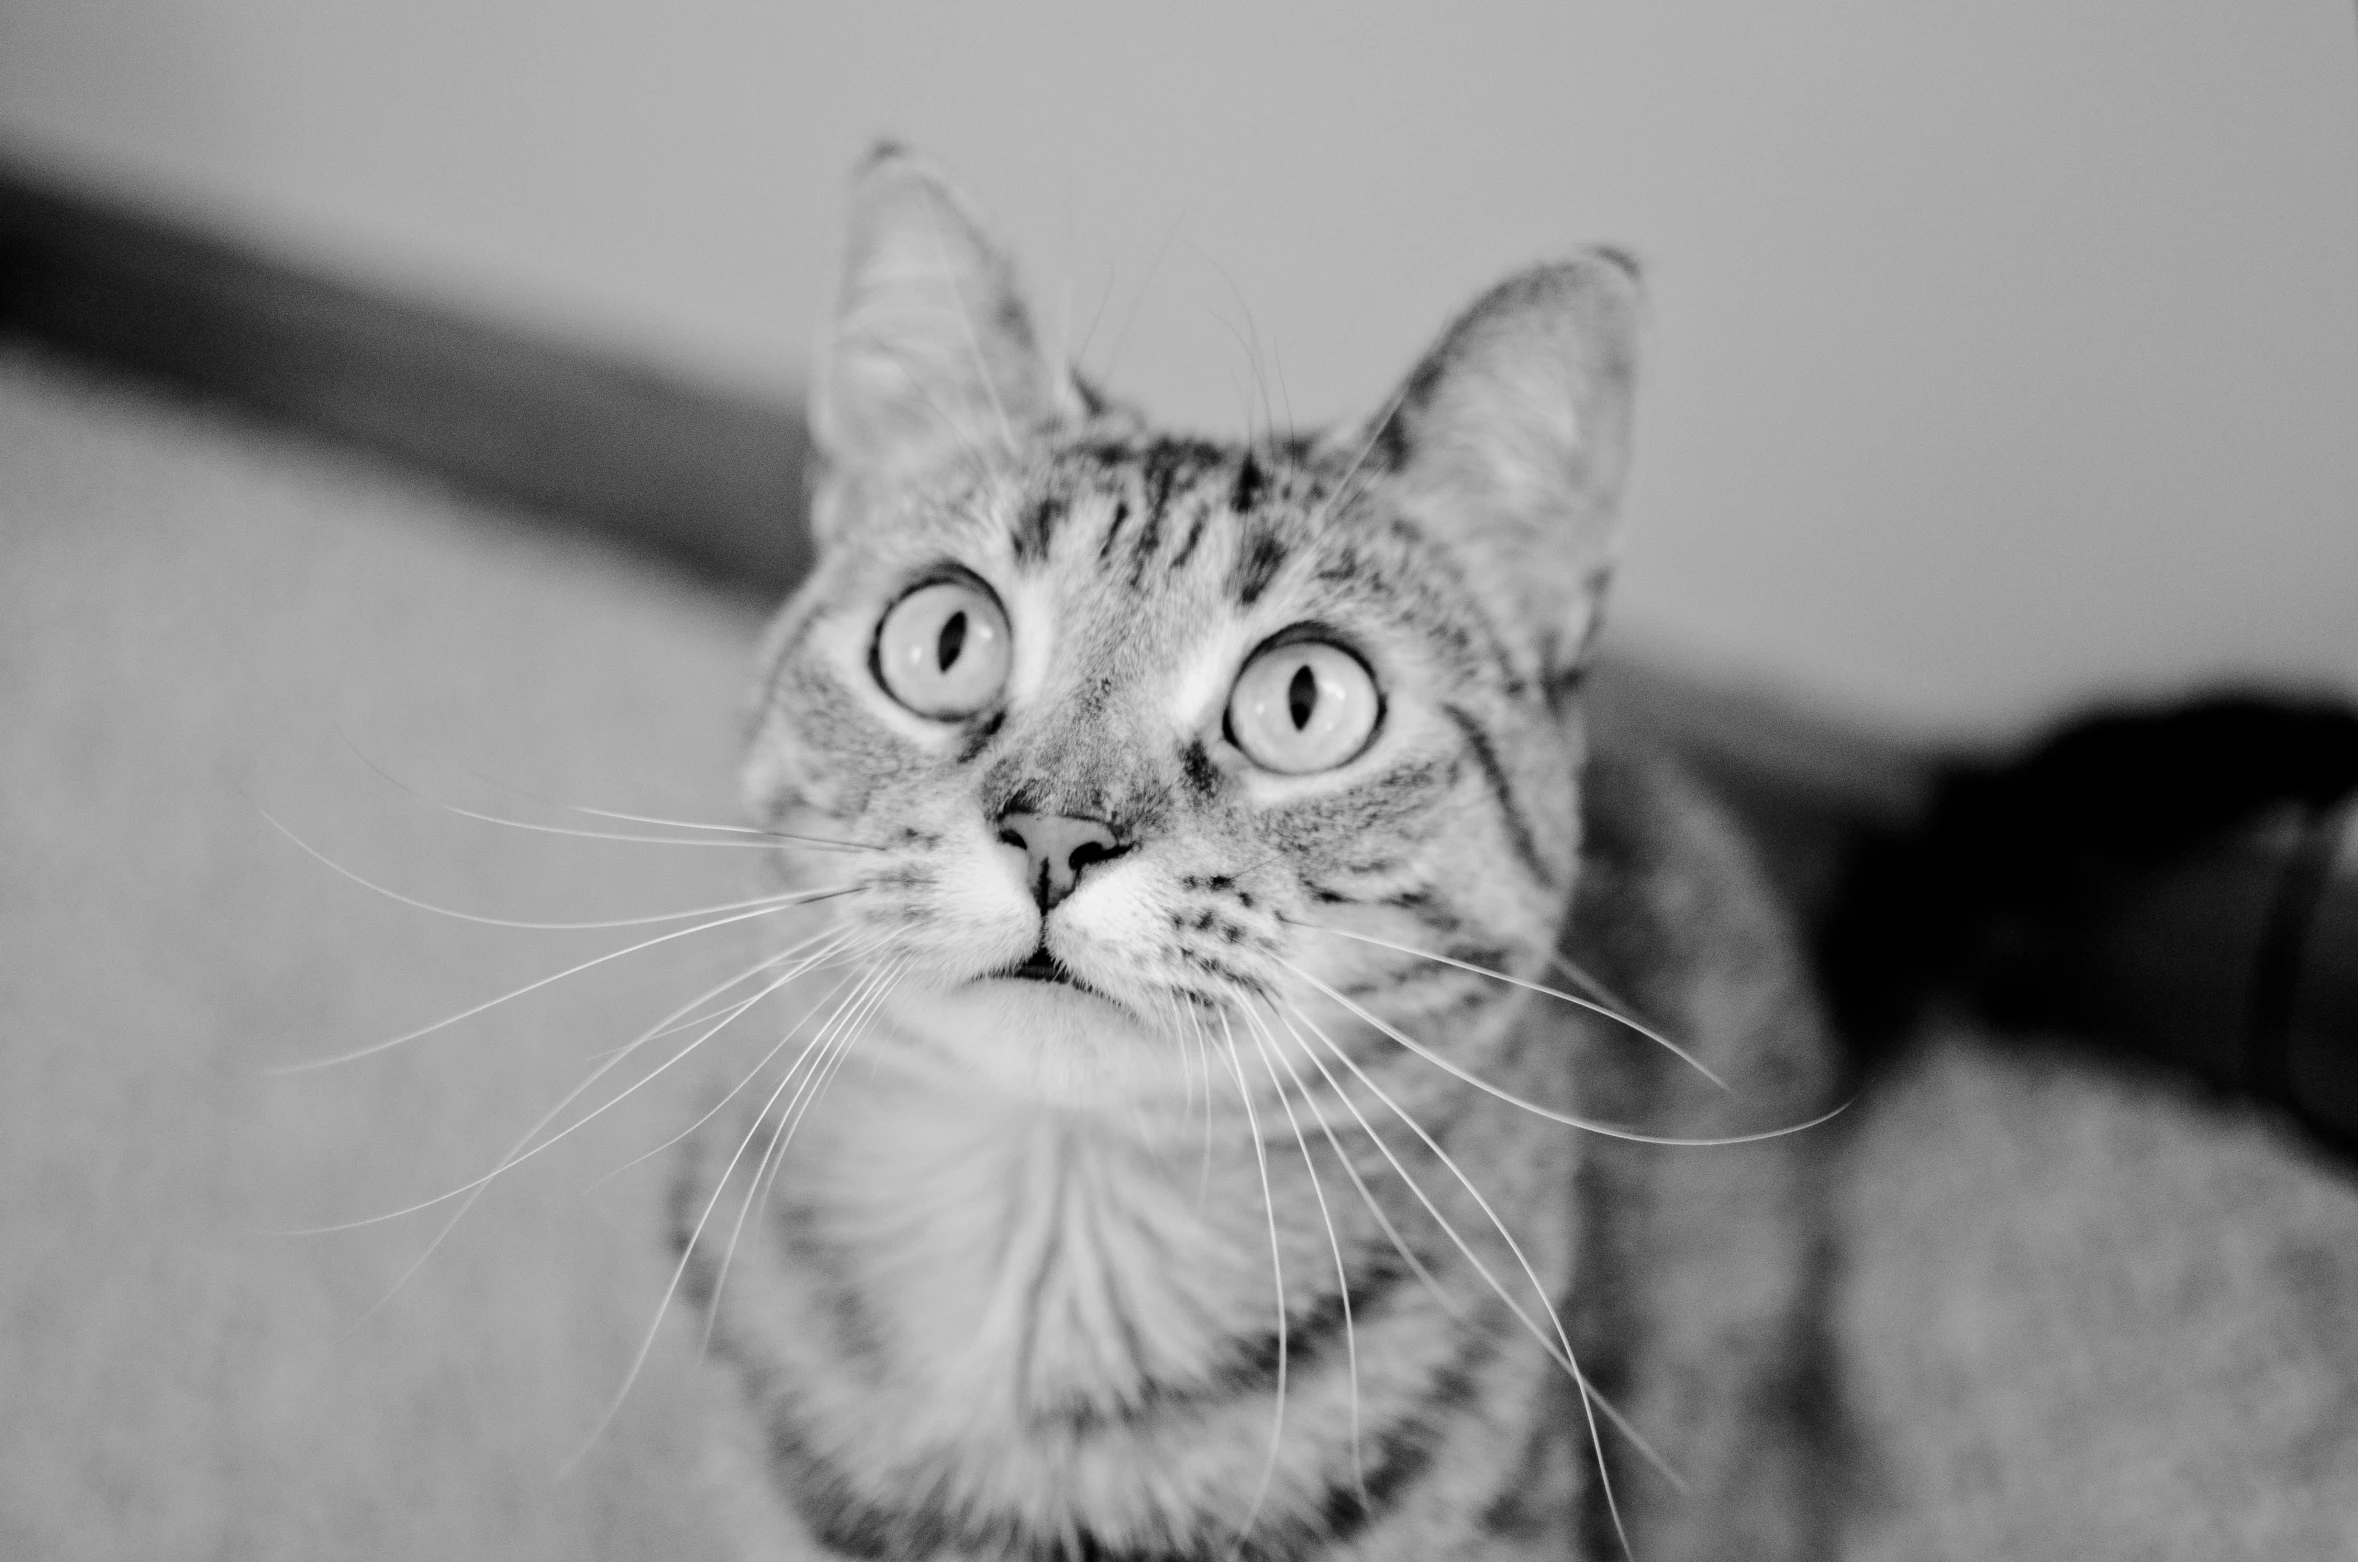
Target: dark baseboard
707, 481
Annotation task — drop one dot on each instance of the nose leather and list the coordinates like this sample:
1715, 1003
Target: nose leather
1056, 848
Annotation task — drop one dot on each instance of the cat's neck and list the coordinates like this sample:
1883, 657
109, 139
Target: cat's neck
1031, 1258
961, 1290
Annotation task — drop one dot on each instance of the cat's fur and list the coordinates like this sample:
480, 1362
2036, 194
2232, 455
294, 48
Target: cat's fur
1015, 1289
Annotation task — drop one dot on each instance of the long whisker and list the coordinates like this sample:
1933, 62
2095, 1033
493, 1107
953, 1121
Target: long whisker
1590, 1125
1590, 1399
772, 840
1591, 1005
1277, 1274
1375, 435
721, 829
1251, 347
547, 1118
1620, 1422
751, 1075
770, 843
1580, 973
1096, 317
413, 902
852, 1033
1154, 269
679, 1271
1179, 1034
520, 1154
844, 1026
1203, 1048
765, 1183
789, 903
1449, 1304
719, 1006
690, 1022
1265, 1043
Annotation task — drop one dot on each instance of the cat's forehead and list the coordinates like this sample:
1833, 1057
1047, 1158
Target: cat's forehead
1168, 529
1160, 558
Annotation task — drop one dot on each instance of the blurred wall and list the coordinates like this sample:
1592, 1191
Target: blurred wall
2004, 353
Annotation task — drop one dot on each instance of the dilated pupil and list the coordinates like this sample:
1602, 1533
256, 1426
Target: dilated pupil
1301, 696
953, 640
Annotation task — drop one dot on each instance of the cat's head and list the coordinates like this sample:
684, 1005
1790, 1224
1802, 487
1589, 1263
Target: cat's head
1136, 721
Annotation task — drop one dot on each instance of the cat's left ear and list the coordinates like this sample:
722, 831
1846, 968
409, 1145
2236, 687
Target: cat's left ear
932, 354
1512, 439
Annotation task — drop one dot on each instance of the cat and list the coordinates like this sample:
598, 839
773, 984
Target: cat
1227, 926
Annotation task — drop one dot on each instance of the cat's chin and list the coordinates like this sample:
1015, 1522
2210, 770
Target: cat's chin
1057, 1042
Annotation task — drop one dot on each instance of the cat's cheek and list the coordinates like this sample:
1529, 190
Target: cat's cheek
1114, 934
980, 918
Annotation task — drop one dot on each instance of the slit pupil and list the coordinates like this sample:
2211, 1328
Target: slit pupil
1301, 696
952, 641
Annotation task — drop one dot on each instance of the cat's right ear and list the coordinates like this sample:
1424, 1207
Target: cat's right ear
932, 355
1511, 439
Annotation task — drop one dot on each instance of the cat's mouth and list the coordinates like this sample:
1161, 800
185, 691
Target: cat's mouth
1041, 966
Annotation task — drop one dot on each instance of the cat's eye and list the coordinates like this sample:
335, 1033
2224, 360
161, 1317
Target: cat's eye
1303, 706
942, 650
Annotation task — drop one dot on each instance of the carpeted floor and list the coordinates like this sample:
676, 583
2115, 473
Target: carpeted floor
192, 617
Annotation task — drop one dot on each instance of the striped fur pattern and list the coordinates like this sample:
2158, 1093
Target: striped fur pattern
1231, 1244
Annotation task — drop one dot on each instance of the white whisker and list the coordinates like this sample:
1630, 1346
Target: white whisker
679, 1270
790, 903
1590, 1125
854, 1034
1277, 1275
1575, 999
752, 1074
548, 1117
773, 840
1375, 434
1449, 1304
1597, 990
1203, 1048
1265, 1044
517, 1156
1590, 1399
832, 1044
413, 902
717, 829
1251, 345
1154, 269
770, 843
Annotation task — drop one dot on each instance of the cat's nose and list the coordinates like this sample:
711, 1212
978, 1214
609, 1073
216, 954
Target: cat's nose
1056, 847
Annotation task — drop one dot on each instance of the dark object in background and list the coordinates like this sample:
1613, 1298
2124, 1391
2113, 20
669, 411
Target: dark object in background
2178, 882
699, 478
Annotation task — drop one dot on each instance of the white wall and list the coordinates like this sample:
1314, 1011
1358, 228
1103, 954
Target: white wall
2004, 352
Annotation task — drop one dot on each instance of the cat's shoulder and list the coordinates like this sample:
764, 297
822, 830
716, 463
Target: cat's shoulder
1674, 913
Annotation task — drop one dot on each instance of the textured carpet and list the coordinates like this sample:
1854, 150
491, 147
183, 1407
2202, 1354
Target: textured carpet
191, 618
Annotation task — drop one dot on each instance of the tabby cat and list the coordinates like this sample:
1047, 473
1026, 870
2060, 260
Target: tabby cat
1234, 1134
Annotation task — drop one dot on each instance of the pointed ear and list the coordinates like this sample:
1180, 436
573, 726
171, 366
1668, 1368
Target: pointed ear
1512, 439
932, 351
